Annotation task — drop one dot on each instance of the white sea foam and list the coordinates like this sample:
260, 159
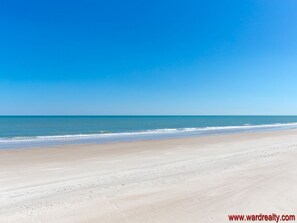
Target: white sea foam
153, 132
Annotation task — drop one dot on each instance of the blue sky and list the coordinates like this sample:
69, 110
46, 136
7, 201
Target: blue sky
148, 57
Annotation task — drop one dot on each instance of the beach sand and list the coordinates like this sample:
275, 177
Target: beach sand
199, 179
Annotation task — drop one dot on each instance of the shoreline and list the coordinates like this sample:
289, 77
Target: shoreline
121, 137
191, 179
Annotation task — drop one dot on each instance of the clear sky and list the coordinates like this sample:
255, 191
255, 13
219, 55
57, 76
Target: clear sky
148, 57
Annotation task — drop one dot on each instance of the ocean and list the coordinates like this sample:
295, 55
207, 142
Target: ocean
27, 131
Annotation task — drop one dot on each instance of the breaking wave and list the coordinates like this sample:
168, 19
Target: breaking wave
147, 133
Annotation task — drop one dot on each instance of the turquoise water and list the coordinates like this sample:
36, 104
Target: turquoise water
21, 130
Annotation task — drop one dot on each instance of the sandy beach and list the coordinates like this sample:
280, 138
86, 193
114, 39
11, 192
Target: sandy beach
201, 179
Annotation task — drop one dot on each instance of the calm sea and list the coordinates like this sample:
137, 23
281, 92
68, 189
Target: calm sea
20, 131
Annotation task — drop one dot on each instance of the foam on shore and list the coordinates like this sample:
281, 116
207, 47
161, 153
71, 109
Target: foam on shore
106, 137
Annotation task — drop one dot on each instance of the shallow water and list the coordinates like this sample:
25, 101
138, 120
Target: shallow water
24, 131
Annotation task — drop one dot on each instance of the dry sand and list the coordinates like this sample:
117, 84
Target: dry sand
200, 179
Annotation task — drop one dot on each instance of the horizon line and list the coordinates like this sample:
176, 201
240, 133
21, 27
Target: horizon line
94, 115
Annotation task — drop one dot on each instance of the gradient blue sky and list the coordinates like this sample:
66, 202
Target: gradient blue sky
148, 57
